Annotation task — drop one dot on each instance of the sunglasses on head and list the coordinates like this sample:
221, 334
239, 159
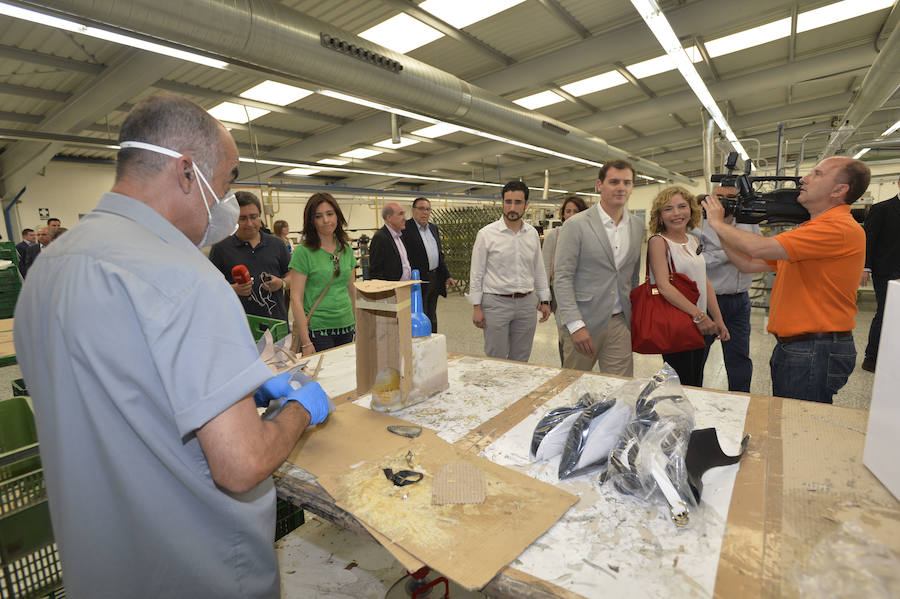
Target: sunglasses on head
336, 260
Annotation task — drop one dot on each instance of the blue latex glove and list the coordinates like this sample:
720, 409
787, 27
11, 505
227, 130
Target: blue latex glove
275, 388
313, 398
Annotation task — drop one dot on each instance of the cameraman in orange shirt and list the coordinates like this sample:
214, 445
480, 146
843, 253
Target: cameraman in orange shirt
819, 264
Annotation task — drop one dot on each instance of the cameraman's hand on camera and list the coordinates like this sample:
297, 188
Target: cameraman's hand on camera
715, 212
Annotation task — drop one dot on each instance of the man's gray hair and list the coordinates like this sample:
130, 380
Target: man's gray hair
171, 122
387, 211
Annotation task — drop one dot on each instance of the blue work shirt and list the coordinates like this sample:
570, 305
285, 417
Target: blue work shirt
130, 340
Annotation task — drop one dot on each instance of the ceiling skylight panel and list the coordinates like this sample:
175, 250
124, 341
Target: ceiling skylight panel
749, 38
595, 83
236, 113
461, 13
333, 161
389, 143
361, 153
539, 100
401, 33
300, 172
837, 12
891, 129
275, 93
438, 130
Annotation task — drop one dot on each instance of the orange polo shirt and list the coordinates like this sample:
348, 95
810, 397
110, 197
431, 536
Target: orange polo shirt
815, 289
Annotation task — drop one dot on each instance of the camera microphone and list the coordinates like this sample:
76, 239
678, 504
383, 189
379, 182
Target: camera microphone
241, 275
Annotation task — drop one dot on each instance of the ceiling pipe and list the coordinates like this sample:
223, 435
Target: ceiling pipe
879, 84
817, 67
267, 36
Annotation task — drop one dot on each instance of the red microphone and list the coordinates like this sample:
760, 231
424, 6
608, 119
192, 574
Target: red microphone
241, 275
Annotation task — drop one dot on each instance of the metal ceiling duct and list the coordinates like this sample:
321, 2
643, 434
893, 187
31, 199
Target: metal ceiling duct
879, 84
269, 36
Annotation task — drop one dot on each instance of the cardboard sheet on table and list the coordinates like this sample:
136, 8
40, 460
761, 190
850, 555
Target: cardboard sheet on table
468, 543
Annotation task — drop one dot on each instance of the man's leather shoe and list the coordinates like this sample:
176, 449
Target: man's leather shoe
868, 364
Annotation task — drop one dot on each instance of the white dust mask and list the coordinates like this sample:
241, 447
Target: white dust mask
223, 216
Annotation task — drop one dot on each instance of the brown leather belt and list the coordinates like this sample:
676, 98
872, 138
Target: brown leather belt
515, 295
808, 336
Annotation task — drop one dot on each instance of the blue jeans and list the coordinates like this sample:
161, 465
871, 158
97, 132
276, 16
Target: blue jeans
813, 370
328, 338
735, 352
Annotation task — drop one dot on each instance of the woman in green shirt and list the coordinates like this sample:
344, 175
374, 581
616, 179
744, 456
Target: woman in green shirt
321, 277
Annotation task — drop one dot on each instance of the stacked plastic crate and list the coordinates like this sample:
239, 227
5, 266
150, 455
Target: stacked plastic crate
10, 280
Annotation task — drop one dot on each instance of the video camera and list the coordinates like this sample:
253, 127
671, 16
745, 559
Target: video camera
752, 206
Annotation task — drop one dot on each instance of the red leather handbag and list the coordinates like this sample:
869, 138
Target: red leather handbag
658, 327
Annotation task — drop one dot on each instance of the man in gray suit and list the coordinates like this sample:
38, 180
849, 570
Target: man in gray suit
597, 265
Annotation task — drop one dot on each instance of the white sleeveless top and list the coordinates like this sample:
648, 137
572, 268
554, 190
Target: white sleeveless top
689, 262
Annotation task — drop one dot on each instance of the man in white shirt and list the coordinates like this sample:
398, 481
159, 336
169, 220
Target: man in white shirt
507, 281
598, 258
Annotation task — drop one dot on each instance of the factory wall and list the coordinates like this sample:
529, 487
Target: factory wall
68, 190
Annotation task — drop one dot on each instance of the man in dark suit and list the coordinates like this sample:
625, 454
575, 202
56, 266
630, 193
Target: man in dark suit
423, 245
28, 239
882, 264
388, 260
31, 253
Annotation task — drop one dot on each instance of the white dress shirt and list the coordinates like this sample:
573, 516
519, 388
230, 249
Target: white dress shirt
619, 236
506, 262
404, 259
431, 247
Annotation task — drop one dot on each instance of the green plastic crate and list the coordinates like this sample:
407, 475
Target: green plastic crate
17, 430
288, 517
29, 560
8, 252
259, 326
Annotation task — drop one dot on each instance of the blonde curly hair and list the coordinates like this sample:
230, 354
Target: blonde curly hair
663, 198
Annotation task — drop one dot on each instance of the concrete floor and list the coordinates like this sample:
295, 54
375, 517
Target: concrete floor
320, 560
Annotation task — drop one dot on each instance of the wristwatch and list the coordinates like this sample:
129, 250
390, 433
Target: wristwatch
545, 303
699, 318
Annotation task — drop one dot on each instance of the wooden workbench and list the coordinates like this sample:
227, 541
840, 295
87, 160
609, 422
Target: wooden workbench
800, 488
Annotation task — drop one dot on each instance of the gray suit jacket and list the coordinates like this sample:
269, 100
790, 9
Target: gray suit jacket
585, 274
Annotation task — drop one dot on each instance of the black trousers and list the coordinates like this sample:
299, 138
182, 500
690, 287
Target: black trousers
879, 282
430, 297
688, 365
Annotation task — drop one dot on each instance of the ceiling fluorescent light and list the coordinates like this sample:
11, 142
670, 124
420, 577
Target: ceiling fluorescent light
859, 154
539, 100
891, 129
36, 17
275, 93
389, 143
659, 25
484, 134
438, 130
660, 64
358, 171
837, 12
236, 113
300, 172
594, 84
461, 13
333, 161
401, 33
749, 38
361, 153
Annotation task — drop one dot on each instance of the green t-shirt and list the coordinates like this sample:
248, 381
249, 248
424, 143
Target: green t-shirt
335, 311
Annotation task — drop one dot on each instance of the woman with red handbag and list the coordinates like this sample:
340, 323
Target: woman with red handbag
671, 251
